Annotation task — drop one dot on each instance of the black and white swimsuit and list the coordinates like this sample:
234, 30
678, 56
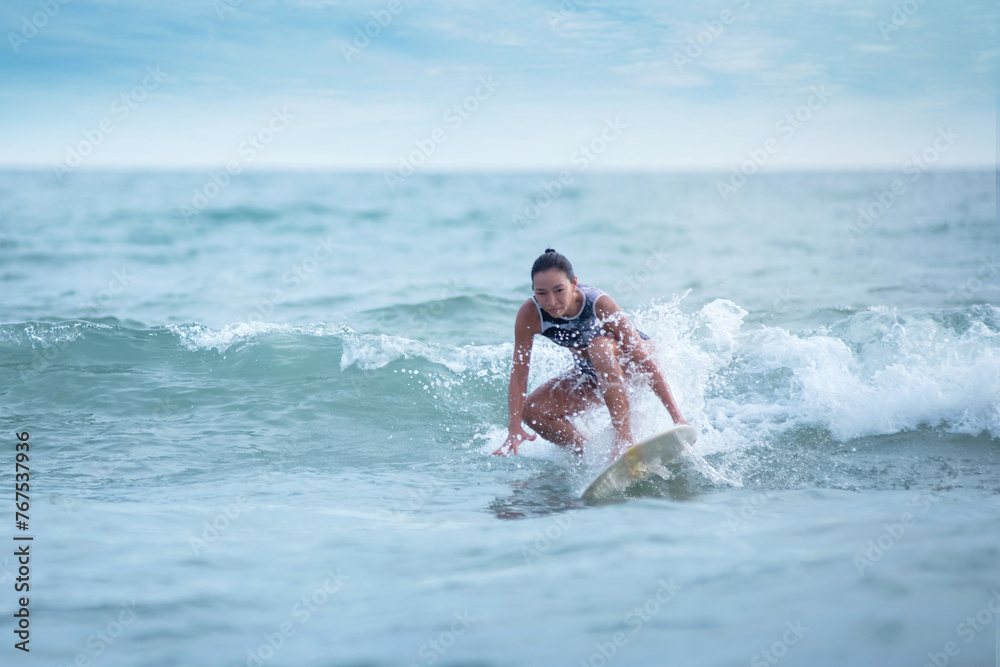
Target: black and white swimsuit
577, 332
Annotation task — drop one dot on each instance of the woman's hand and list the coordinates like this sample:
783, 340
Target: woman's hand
515, 436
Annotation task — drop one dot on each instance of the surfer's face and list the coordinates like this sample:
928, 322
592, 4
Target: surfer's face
555, 293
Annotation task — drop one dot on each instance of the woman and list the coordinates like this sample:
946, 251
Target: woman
607, 350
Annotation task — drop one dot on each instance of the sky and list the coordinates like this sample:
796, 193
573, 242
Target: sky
505, 85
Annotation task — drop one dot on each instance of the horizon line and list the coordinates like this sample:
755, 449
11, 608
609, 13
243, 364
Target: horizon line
693, 169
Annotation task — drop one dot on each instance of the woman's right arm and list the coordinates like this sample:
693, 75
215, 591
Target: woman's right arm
524, 331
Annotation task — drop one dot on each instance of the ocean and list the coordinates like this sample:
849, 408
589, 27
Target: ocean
257, 415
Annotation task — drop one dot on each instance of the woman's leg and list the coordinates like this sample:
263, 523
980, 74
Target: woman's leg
604, 352
547, 409
643, 362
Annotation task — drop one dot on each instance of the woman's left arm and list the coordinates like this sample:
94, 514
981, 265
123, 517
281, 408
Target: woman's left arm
615, 322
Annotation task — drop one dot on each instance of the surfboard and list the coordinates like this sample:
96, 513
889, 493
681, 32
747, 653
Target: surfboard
638, 462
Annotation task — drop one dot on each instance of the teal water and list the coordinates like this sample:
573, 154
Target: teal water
260, 435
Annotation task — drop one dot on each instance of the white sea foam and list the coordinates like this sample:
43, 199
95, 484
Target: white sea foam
197, 337
907, 371
46, 334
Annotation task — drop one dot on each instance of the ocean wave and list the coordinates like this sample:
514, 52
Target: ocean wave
871, 373
879, 373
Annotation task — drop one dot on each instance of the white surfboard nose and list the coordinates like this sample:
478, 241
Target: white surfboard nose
635, 463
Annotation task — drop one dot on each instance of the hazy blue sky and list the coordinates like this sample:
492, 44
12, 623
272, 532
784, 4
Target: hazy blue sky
890, 75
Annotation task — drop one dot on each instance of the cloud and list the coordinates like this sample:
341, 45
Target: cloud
563, 66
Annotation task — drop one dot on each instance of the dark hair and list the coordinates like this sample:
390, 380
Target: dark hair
550, 259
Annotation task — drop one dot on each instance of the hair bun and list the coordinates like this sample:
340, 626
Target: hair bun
549, 250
